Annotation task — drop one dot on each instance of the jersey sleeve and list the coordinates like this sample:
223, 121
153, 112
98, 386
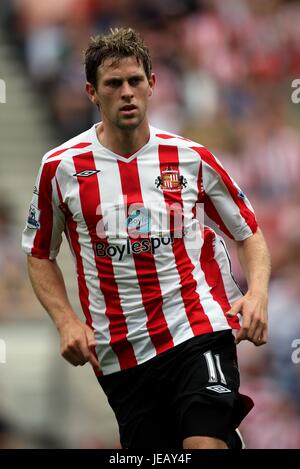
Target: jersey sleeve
45, 224
224, 202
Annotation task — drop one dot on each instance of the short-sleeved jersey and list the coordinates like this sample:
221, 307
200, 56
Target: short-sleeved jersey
150, 274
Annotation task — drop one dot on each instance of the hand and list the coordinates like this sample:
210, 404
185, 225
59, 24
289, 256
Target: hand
253, 308
77, 343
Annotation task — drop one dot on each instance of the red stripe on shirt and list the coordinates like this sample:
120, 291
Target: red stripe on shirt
201, 195
74, 240
214, 277
168, 136
42, 241
199, 322
145, 266
208, 205
78, 145
213, 214
89, 192
247, 214
73, 237
82, 286
83, 290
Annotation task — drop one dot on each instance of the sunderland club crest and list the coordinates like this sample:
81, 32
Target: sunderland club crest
170, 180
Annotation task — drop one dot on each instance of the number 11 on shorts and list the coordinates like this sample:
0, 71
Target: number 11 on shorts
214, 368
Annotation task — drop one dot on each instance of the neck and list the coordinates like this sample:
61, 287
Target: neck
123, 142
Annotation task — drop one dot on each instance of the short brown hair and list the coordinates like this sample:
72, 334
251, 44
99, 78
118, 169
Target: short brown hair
120, 43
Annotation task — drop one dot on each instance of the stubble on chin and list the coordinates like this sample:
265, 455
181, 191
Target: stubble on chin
130, 123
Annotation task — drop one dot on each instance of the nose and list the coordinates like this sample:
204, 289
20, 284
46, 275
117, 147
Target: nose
126, 91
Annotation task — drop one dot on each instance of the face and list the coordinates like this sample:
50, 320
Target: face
122, 92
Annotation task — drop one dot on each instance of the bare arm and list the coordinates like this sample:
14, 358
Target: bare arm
77, 339
255, 260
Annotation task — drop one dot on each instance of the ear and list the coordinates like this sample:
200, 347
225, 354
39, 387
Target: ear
92, 93
152, 81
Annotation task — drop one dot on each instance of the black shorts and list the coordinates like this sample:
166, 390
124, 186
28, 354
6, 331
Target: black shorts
190, 390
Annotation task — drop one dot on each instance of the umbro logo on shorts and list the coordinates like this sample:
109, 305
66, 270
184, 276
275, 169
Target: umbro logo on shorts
87, 172
218, 388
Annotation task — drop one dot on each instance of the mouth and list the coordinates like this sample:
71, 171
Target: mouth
128, 109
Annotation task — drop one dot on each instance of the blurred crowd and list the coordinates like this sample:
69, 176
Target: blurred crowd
224, 73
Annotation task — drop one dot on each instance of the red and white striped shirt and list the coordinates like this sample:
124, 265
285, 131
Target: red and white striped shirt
150, 275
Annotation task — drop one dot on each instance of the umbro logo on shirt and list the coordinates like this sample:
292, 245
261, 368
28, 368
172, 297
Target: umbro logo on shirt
87, 172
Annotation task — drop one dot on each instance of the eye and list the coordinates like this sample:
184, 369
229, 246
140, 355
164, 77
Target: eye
134, 81
114, 83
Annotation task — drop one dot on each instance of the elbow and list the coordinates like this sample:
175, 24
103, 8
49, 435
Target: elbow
33, 261
257, 236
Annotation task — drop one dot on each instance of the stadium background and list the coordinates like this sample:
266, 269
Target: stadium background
224, 79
